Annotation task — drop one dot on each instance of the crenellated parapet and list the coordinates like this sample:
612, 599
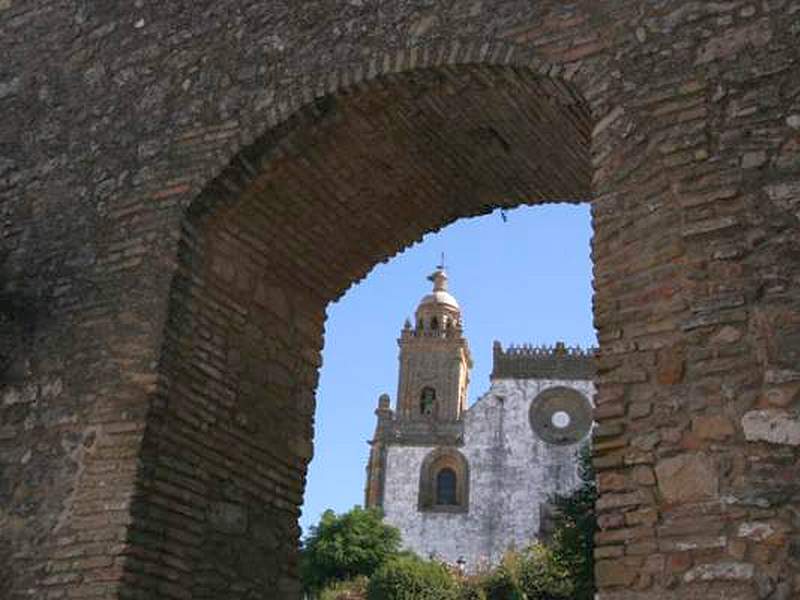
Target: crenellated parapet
542, 362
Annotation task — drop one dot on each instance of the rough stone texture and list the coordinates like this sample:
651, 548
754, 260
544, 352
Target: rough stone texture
773, 426
512, 474
715, 427
185, 186
720, 571
687, 477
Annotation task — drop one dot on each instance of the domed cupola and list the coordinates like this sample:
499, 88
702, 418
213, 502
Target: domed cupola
438, 311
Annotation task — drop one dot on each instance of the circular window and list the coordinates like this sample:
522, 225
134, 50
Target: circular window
560, 419
561, 415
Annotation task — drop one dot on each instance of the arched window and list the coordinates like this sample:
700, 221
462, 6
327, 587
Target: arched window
427, 399
446, 487
434, 323
444, 482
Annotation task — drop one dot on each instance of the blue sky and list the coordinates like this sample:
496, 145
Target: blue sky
523, 280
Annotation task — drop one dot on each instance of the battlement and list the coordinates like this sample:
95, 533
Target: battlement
542, 362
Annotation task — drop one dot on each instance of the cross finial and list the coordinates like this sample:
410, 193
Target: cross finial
441, 263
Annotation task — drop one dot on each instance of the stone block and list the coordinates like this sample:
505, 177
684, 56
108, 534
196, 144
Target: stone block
722, 571
694, 543
678, 562
601, 552
646, 441
645, 516
737, 549
611, 481
611, 521
612, 501
614, 573
671, 367
639, 410
712, 427
773, 426
726, 335
643, 475
757, 531
752, 160
687, 478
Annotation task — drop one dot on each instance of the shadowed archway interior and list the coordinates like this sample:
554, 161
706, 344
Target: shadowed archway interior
293, 222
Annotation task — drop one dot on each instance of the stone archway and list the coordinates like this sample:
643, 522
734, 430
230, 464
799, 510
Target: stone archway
355, 177
130, 177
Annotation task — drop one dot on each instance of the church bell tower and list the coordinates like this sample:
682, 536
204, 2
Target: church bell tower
432, 385
434, 359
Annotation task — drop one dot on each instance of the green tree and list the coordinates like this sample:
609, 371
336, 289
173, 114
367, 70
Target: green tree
345, 546
573, 539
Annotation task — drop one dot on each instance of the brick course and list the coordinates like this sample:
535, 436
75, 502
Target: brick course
185, 186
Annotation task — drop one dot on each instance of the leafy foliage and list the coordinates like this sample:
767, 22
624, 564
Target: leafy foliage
354, 589
342, 547
410, 578
576, 523
544, 576
471, 589
532, 574
502, 584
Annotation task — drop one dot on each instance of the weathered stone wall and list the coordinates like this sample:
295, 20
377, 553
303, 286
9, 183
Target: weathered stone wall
512, 472
130, 127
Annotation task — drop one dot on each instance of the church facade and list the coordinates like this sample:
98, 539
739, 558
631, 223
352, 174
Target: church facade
464, 484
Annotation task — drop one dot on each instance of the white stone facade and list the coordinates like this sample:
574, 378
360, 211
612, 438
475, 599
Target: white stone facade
467, 484
512, 472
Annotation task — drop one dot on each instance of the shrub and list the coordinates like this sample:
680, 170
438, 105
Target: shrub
471, 589
343, 547
410, 578
355, 589
532, 574
502, 583
542, 575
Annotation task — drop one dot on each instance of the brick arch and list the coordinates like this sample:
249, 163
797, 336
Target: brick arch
522, 159
112, 483
322, 80
569, 181
298, 217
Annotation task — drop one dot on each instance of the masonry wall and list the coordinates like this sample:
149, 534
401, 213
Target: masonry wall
511, 473
357, 127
